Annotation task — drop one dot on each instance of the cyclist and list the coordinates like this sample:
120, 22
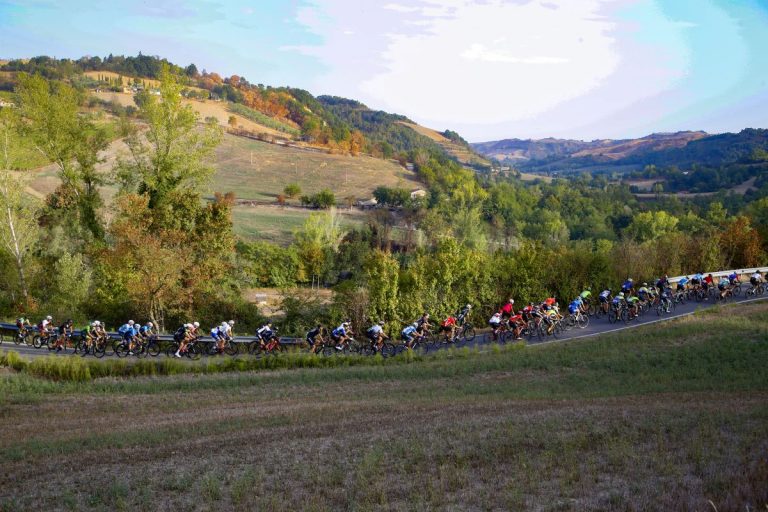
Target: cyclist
756, 278
696, 280
662, 284
494, 323
517, 322
183, 336
643, 292
604, 298
723, 285
315, 338
422, 324
708, 281
86, 334
628, 287
45, 327
507, 310
221, 334
375, 333
448, 327
585, 296
575, 306
341, 334
632, 306
265, 333
408, 334
127, 332
145, 331
733, 277
23, 325
65, 331
463, 315
681, 284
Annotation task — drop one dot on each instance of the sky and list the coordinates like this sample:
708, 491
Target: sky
489, 69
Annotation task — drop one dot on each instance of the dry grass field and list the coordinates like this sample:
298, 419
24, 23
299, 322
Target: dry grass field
462, 154
205, 109
258, 170
272, 169
658, 418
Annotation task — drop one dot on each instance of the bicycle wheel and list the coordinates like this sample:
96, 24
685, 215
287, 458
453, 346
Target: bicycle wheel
624, 315
121, 350
254, 348
737, 290
37, 341
153, 348
231, 349
194, 351
468, 333
582, 321
388, 350
592, 309
98, 350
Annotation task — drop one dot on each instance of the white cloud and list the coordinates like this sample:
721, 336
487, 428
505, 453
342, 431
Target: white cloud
494, 68
496, 61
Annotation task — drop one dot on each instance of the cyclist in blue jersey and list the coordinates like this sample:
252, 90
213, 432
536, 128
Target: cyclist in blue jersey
341, 334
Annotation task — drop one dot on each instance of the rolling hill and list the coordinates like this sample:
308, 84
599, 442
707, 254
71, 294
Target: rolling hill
531, 154
258, 172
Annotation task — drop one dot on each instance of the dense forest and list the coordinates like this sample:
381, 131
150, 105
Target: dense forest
160, 252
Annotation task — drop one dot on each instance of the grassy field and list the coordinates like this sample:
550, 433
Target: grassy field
277, 224
657, 418
258, 170
272, 169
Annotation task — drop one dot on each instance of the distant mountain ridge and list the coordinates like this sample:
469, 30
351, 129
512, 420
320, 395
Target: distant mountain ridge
522, 151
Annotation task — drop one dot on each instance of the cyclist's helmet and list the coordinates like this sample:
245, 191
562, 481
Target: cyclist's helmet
130, 322
415, 325
469, 306
630, 280
69, 321
621, 295
231, 322
49, 318
645, 284
150, 325
381, 322
196, 324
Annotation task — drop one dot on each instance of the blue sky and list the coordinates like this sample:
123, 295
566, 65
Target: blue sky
489, 69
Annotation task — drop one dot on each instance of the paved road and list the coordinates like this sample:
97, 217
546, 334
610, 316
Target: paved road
595, 327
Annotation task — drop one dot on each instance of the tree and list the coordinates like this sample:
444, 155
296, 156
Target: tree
18, 230
232, 122
292, 190
651, 225
71, 141
381, 274
73, 282
173, 157
317, 240
149, 262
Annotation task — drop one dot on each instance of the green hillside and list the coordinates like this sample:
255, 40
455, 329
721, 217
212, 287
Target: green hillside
343, 125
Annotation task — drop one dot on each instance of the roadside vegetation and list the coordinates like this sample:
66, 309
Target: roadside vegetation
666, 417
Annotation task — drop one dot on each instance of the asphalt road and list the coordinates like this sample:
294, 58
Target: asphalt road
595, 328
